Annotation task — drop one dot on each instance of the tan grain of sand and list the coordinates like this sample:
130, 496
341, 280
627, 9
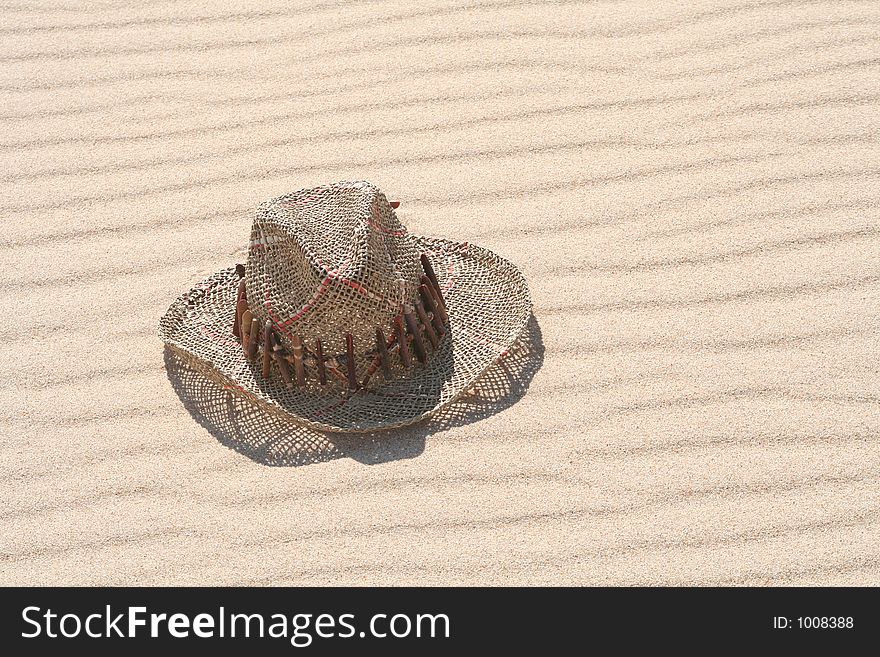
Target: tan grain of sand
690, 188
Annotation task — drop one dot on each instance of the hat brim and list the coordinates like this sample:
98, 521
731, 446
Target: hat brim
488, 303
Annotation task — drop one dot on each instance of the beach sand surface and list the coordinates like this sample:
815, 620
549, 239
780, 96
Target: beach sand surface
691, 190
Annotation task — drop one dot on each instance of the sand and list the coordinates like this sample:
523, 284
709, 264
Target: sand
690, 188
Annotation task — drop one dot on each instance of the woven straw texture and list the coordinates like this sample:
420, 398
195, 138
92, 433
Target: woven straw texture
334, 260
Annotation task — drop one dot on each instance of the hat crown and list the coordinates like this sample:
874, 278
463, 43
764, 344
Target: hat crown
330, 261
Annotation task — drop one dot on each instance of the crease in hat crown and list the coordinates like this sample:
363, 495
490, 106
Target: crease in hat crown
330, 261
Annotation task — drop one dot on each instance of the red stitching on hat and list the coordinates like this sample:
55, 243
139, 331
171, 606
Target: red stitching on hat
450, 274
376, 223
385, 231
483, 341
304, 200
322, 290
218, 338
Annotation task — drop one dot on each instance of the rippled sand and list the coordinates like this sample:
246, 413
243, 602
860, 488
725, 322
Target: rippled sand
691, 190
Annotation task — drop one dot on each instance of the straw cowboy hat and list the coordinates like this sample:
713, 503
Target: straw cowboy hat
342, 320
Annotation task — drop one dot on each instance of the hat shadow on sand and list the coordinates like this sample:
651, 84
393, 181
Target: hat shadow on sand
270, 439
